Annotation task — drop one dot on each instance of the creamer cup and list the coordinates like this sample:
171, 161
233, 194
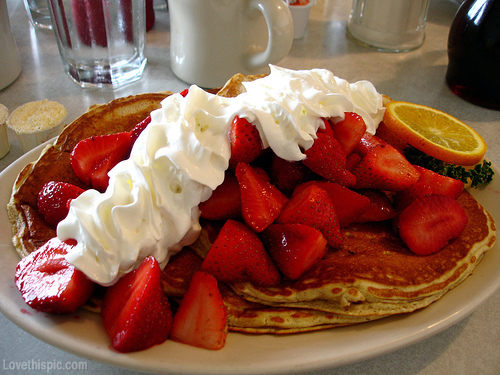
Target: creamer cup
4, 139
300, 16
37, 122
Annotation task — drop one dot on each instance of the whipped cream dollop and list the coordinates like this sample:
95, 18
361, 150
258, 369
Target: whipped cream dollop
151, 204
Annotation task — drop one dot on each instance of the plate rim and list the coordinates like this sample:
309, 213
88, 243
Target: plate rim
37, 324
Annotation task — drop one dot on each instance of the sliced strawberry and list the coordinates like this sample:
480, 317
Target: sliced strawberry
327, 159
388, 136
349, 131
367, 142
49, 283
184, 92
348, 204
137, 130
201, 319
430, 222
135, 312
385, 168
285, 174
352, 160
225, 201
54, 198
295, 248
327, 128
429, 182
92, 158
238, 255
261, 202
311, 205
380, 207
246, 144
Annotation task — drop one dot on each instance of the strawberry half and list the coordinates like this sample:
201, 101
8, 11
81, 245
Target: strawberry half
201, 319
385, 168
348, 204
429, 182
326, 158
135, 312
295, 248
54, 198
430, 222
137, 130
261, 202
238, 255
311, 205
225, 201
285, 174
380, 207
49, 283
349, 131
245, 141
92, 158
367, 142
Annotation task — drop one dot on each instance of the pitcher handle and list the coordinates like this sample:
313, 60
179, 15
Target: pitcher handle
280, 32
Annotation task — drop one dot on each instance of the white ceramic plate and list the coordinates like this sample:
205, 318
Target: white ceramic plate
83, 334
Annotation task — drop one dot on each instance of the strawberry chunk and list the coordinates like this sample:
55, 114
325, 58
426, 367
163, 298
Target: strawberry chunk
430, 222
388, 136
295, 248
261, 202
380, 207
49, 283
225, 201
429, 182
201, 319
367, 142
311, 205
385, 168
54, 198
92, 158
245, 141
285, 174
349, 131
326, 158
348, 204
135, 312
137, 130
238, 255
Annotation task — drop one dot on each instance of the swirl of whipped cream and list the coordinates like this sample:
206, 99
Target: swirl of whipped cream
151, 204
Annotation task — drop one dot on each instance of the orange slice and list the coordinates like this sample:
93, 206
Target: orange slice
434, 132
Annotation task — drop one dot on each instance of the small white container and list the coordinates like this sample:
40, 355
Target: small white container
300, 16
37, 122
4, 139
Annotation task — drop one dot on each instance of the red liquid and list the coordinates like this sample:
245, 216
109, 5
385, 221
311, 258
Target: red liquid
474, 53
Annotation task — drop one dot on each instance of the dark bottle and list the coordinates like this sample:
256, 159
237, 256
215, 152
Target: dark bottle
474, 53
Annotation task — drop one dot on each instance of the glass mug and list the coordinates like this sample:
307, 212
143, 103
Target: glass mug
388, 25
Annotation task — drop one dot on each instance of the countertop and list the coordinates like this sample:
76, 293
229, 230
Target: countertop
472, 346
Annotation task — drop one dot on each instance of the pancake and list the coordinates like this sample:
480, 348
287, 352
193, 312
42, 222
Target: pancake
376, 274
373, 276
30, 231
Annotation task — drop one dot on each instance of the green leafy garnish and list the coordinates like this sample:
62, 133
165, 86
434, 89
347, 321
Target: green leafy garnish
481, 173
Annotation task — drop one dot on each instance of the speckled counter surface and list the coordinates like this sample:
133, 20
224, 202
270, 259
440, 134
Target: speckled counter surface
472, 346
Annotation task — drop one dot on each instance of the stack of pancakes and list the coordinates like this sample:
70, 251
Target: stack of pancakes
373, 276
